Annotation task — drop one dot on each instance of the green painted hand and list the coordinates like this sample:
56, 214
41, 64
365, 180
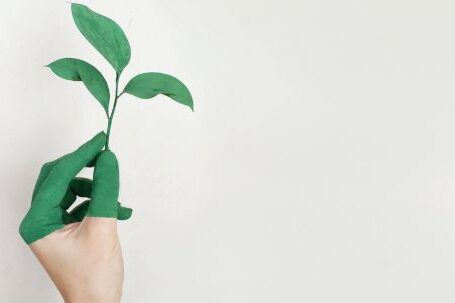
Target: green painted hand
57, 188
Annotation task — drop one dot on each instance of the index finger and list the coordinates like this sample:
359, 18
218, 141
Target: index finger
53, 188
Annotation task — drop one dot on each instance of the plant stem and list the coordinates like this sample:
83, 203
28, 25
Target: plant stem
111, 117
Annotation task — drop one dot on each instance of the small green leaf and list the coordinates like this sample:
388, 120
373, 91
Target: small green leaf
148, 85
104, 34
78, 70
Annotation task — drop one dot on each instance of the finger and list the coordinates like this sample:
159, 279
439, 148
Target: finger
81, 187
68, 199
46, 168
105, 187
124, 213
54, 187
91, 163
44, 172
80, 211
67, 218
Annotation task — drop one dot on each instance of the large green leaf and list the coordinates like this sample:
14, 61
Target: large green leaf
78, 70
104, 34
148, 85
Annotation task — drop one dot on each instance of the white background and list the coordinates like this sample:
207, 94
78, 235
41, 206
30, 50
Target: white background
319, 165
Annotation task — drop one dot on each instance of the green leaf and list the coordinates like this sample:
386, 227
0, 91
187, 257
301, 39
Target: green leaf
148, 85
78, 70
104, 34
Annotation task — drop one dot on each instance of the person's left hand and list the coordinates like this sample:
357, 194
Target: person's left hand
80, 249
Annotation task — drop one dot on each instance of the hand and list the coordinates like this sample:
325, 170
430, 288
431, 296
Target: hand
80, 250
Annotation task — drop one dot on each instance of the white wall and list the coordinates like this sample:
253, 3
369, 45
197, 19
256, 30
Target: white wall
319, 165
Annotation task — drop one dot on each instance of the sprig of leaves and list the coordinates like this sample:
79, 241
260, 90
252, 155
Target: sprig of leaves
106, 36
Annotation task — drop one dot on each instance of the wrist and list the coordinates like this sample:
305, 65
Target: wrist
92, 299
84, 300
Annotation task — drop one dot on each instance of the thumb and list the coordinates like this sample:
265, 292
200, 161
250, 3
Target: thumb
105, 187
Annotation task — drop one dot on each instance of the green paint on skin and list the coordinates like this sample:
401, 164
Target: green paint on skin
57, 188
